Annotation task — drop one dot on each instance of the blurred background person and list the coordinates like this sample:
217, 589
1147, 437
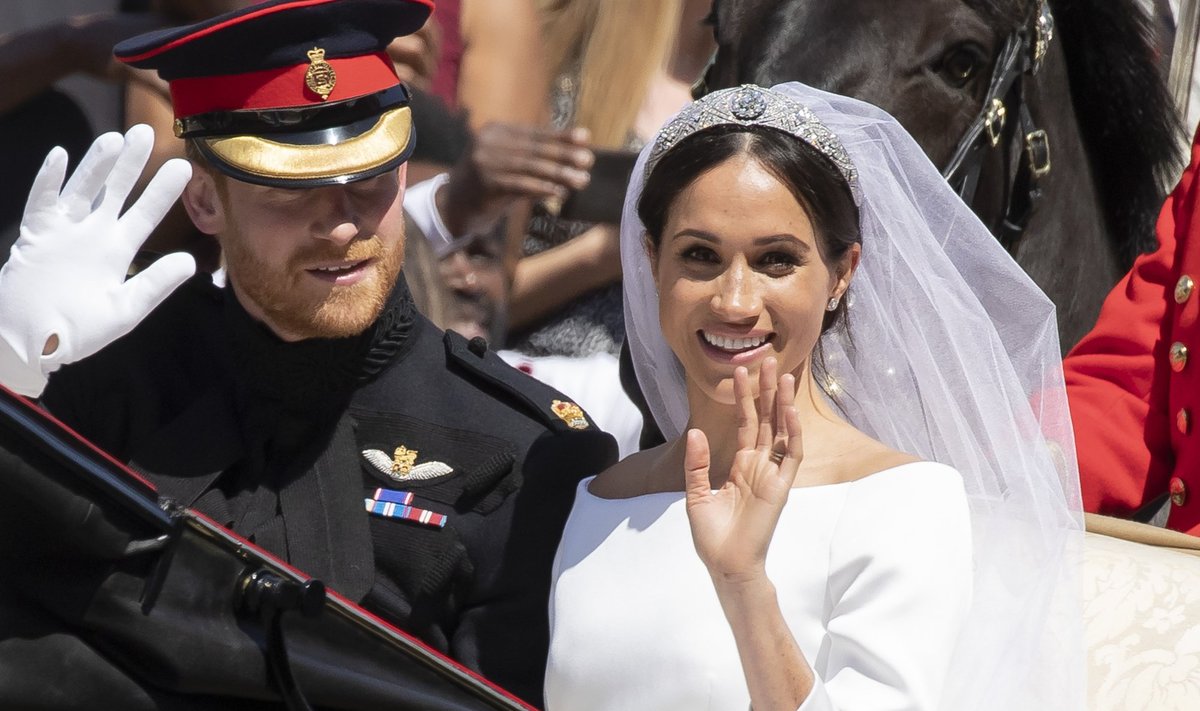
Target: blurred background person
566, 289
565, 301
483, 61
488, 67
489, 61
43, 45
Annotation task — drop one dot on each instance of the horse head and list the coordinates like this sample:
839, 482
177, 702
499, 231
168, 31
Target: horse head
924, 61
1110, 129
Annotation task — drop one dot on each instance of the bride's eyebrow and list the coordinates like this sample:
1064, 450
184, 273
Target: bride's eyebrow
784, 238
767, 240
697, 234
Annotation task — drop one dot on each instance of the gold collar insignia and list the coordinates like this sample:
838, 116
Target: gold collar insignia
570, 413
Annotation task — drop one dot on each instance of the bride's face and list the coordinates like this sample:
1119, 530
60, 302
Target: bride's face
741, 276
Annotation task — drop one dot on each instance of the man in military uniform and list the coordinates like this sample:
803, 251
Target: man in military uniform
306, 404
1132, 382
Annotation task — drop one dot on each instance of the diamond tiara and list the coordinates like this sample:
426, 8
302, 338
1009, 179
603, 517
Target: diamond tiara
750, 105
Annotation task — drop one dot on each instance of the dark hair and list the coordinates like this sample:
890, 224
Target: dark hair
811, 177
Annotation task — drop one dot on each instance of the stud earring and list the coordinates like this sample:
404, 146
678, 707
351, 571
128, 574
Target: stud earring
833, 303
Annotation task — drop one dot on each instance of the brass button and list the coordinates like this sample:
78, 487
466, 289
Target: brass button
1178, 491
1183, 288
1183, 420
177, 127
1178, 356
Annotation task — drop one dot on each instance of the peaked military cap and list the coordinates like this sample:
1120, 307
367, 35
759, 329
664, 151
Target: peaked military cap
290, 93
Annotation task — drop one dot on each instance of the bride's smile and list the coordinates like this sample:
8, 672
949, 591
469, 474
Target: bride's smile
736, 348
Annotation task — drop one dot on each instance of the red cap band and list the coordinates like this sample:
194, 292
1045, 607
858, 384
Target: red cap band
281, 88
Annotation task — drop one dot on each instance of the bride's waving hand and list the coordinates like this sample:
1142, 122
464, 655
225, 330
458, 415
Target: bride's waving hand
732, 525
732, 528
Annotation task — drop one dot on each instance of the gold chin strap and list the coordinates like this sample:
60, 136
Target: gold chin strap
285, 161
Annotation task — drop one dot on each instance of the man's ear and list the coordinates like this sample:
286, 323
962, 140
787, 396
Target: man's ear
203, 202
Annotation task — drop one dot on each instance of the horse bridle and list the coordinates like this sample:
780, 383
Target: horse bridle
1021, 56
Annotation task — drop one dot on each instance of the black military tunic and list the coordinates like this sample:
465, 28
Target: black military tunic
287, 443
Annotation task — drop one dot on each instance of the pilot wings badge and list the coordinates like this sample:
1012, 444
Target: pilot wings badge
402, 465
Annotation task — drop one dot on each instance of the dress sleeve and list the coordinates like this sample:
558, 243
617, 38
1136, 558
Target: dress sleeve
898, 592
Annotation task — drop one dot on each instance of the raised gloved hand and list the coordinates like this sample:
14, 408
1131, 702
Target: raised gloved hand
63, 292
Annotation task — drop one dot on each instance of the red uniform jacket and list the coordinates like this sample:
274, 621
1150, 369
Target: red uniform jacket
1134, 381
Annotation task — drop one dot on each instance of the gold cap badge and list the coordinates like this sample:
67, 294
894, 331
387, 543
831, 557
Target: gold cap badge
320, 77
570, 413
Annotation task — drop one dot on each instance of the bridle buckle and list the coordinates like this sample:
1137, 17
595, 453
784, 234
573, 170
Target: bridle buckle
1043, 35
1037, 147
994, 121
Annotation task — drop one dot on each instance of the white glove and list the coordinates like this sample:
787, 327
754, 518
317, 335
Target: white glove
66, 274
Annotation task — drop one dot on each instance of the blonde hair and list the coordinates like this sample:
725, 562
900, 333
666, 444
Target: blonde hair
616, 46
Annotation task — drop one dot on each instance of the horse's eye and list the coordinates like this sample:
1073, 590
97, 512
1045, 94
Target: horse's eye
961, 64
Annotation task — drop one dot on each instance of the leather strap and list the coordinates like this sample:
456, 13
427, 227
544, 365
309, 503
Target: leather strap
1005, 122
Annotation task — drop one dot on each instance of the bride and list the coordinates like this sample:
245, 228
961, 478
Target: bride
870, 499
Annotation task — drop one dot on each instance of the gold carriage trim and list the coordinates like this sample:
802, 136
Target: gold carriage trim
388, 138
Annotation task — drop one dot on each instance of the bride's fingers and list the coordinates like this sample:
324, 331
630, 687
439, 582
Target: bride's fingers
767, 384
795, 446
743, 475
785, 397
747, 413
695, 467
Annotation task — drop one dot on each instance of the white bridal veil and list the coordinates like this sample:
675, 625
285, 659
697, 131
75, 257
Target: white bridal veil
951, 354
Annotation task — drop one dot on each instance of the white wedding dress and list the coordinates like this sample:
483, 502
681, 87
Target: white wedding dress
873, 577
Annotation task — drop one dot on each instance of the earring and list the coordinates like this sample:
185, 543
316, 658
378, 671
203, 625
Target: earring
833, 303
